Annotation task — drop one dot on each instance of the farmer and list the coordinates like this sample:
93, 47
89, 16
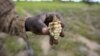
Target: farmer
14, 24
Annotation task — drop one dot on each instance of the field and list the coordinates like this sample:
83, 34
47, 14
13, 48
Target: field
81, 21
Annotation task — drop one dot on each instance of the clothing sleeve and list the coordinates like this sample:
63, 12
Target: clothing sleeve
39, 23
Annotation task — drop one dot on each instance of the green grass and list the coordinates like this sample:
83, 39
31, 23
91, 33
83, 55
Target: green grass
37, 7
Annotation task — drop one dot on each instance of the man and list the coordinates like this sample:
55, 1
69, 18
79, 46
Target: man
39, 24
12, 23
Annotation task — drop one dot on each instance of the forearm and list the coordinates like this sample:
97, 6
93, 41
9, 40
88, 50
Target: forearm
36, 26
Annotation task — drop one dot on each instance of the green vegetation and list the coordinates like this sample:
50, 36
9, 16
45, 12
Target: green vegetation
37, 7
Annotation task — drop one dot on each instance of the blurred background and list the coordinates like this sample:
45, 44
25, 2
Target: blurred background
82, 27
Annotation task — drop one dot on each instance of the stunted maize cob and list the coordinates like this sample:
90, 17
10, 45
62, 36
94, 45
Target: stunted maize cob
55, 28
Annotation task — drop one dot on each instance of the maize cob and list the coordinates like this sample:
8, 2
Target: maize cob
55, 28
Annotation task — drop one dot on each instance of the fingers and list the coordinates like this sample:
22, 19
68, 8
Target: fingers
62, 34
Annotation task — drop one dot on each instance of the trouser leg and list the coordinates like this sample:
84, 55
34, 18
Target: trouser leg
3, 51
